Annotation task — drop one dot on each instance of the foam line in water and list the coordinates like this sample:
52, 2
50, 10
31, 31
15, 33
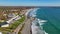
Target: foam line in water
36, 29
28, 11
46, 33
33, 12
41, 22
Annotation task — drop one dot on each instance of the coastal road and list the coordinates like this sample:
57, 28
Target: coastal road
27, 27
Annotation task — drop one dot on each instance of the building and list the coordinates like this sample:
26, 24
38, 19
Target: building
0, 32
4, 24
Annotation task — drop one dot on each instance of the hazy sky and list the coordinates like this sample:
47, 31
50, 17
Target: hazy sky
29, 2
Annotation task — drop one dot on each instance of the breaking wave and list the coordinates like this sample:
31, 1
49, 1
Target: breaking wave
36, 26
33, 12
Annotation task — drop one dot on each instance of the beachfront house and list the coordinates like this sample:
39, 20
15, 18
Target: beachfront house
11, 15
0, 32
4, 24
13, 19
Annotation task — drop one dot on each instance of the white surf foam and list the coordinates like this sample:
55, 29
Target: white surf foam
41, 22
28, 11
33, 12
36, 29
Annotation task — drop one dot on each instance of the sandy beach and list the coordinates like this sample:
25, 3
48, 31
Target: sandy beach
28, 11
27, 28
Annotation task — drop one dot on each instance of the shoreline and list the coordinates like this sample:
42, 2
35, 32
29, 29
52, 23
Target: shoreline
28, 12
36, 29
31, 14
31, 10
27, 28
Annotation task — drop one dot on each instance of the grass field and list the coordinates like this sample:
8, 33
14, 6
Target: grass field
13, 26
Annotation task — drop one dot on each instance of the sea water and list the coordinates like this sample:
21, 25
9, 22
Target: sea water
51, 21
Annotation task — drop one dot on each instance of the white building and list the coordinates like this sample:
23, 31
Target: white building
6, 25
0, 32
11, 15
14, 18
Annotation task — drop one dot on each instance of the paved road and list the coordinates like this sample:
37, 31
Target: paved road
27, 27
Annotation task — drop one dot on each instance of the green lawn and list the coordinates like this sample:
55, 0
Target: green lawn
14, 25
21, 29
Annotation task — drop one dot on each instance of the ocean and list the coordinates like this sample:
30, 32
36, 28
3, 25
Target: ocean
47, 22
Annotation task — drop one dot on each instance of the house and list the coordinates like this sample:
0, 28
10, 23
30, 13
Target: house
4, 24
13, 19
11, 15
0, 32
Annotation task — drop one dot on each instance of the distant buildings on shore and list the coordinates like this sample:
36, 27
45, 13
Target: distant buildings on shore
7, 12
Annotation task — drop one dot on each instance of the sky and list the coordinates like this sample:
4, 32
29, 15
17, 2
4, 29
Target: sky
29, 2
